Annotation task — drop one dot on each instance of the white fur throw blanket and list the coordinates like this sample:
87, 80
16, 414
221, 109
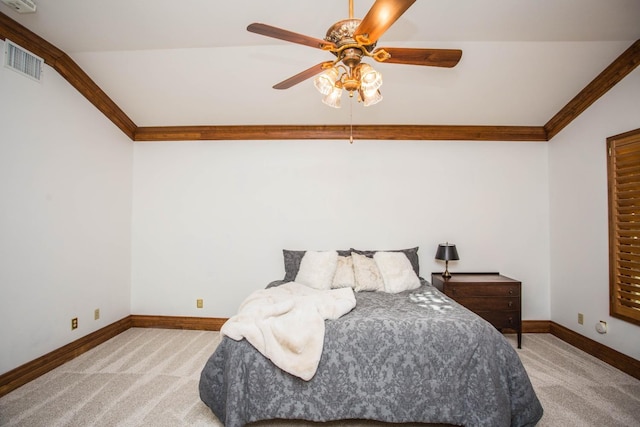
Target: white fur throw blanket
286, 324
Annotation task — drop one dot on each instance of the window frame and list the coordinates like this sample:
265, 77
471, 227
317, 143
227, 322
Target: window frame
624, 251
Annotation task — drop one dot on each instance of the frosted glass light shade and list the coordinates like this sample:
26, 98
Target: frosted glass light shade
370, 79
369, 98
325, 82
333, 98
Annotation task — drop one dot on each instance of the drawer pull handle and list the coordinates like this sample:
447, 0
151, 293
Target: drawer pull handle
510, 291
510, 303
510, 320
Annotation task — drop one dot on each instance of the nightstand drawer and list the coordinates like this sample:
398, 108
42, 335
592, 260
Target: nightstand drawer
485, 289
501, 320
490, 303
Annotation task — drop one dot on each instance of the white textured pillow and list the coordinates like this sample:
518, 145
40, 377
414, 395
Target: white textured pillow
344, 277
397, 272
317, 269
367, 274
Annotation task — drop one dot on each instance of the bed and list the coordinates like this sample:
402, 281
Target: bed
410, 356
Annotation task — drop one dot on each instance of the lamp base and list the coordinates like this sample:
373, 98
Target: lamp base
446, 273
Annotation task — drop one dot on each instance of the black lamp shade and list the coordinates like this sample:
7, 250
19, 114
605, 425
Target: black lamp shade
447, 252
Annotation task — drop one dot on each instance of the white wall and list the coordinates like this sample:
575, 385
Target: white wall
210, 219
579, 218
65, 217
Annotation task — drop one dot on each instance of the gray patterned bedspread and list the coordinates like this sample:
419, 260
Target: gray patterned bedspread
416, 356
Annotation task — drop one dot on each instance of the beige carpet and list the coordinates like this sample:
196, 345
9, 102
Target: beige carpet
149, 377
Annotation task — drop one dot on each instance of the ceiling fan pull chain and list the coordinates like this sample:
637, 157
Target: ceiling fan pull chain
351, 121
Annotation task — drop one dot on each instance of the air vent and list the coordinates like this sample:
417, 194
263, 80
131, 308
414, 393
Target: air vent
22, 61
21, 6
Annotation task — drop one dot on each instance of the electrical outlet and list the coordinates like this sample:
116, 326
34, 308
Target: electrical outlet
199, 303
96, 314
74, 323
580, 319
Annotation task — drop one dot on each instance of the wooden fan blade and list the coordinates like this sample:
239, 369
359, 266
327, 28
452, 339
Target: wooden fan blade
300, 77
289, 36
431, 57
380, 17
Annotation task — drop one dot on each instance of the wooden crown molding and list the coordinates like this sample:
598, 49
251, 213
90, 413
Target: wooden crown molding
68, 69
612, 75
360, 132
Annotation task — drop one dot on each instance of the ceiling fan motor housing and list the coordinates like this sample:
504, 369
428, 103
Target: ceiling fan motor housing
351, 56
341, 33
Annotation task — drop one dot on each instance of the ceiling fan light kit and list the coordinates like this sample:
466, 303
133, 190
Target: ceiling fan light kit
21, 6
350, 40
362, 79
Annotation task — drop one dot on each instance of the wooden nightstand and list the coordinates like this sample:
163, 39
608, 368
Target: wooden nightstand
491, 296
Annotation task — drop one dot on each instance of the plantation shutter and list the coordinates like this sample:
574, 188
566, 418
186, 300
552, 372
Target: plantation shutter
624, 225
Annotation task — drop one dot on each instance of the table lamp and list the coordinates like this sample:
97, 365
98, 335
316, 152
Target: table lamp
447, 252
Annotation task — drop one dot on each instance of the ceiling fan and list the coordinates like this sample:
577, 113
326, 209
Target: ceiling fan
351, 40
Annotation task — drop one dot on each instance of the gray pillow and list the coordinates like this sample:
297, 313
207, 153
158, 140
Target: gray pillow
411, 253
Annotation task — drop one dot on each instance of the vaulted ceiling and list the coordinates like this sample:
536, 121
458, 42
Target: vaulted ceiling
190, 70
